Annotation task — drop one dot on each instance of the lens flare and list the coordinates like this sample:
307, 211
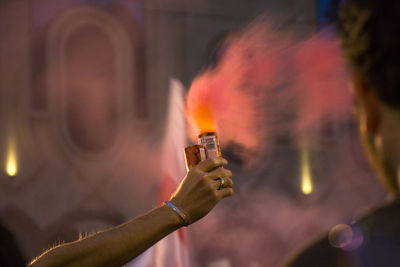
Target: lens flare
11, 161
306, 180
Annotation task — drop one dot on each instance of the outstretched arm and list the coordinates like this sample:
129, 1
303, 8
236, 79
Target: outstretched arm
195, 197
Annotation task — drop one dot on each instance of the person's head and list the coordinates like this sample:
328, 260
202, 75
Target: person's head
370, 35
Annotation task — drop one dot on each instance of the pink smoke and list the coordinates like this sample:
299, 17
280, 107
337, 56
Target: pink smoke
262, 67
320, 79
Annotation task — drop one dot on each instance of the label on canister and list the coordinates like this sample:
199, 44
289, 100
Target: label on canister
211, 144
194, 155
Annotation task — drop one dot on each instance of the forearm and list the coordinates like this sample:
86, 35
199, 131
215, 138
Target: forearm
115, 246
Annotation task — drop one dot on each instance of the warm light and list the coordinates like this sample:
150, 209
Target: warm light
306, 181
204, 119
11, 163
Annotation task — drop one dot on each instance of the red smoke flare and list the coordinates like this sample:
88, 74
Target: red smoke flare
307, 77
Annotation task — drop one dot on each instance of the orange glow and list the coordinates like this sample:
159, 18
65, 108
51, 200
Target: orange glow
206, 103
204, 118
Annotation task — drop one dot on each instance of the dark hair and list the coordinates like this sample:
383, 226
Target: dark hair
370, 34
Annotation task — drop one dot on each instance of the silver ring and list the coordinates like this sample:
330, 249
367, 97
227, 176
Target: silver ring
221, 183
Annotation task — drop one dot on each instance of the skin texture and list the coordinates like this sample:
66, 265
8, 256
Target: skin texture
196, 195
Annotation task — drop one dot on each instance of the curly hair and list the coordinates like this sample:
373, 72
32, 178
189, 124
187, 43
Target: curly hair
370, 35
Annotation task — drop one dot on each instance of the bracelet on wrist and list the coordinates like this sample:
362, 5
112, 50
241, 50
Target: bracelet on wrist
179, 212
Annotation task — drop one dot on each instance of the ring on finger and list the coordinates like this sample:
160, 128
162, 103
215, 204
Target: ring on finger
221, 183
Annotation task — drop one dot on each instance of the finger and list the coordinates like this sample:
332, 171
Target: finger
218, 173
225, 183
212, 163
225, 192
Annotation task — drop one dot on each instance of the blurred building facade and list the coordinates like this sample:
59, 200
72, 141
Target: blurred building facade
84, 86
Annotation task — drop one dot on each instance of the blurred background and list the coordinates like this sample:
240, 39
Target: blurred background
84, 88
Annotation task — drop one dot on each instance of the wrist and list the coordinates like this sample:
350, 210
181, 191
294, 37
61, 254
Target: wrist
175, 221
183, 219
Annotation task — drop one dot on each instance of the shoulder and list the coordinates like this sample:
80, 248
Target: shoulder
371, 241
320, 253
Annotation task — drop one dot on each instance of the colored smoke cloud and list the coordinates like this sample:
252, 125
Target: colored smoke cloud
263, 73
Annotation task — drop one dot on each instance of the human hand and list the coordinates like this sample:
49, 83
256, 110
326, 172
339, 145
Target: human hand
200, 190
